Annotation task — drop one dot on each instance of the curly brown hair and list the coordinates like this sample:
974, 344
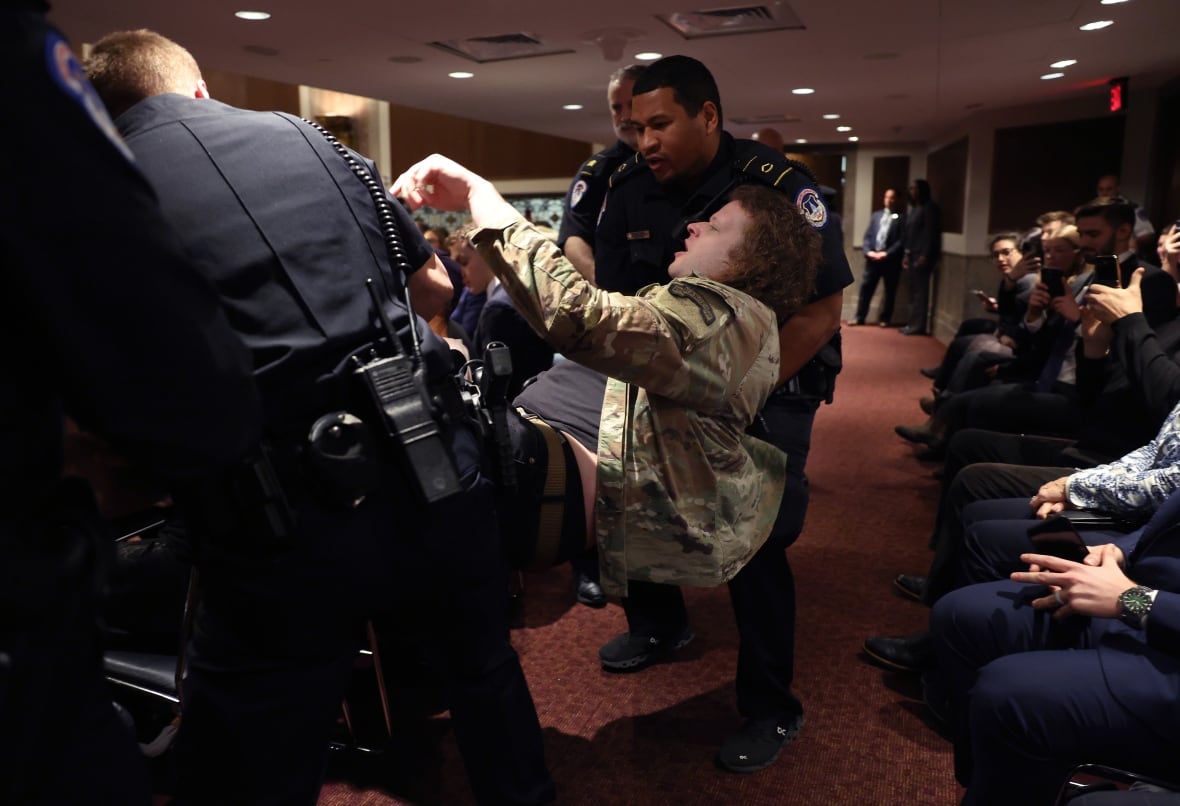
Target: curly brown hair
778, 260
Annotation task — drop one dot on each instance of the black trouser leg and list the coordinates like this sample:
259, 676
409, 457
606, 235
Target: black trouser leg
977, 482
868, 287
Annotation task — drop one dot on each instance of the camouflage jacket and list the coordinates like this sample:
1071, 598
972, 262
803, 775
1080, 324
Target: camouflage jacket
684, 496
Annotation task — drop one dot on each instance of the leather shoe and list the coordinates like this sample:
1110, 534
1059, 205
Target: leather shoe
921, 434
912, 653
929, 372
935, 452
927, 404
589, 592
910, 586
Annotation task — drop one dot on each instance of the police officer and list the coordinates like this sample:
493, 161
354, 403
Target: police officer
583, 202
288, 228
102, 319
685, 168
579, 220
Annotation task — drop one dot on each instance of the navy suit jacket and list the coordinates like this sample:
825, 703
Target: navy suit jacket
893, 239
1142, 668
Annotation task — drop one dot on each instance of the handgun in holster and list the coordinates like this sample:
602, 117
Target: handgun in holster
497, 374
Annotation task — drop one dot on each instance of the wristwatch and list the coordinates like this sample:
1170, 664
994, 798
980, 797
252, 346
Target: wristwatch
1134, 605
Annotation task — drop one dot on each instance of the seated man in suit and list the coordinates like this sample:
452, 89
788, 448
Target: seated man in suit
1129, 379
1068, 662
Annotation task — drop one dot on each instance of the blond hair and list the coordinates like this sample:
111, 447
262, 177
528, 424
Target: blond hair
127, 66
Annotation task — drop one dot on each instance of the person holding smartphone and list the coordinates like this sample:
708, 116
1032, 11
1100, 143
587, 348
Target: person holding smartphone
1168, 249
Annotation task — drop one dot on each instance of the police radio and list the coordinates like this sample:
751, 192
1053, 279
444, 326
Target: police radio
396, 384
397, 387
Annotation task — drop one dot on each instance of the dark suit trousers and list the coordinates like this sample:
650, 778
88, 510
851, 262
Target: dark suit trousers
920, 296
1027, 696
763, 593
978, 482
875, 271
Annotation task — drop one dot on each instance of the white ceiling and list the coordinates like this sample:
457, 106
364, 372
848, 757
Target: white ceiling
895, 70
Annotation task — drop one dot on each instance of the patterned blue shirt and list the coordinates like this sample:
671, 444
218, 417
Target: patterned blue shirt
1137, 483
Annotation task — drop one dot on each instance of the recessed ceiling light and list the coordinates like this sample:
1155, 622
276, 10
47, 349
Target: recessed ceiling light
252, 15
831, 117
1050, 76
648, 56
853, 139
1064, 63
802, 91
461, 74
1112, 2
1096, 25
801, 140
843, 128
572, 107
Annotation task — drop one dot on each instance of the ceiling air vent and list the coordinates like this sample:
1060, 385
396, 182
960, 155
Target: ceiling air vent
499, 48
761, 120
736, 20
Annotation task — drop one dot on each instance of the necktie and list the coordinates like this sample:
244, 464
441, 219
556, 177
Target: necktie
1061, 347
883, 230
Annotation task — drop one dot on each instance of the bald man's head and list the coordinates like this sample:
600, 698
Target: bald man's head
770, 137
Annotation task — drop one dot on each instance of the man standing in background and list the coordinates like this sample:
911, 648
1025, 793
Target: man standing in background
583, 202
923, 247
882, 248
579, 222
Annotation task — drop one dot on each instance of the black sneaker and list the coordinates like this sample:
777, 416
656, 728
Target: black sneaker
757, 744
628, 651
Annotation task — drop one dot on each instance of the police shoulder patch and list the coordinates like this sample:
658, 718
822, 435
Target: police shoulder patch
66, 71
577, 192
812, 205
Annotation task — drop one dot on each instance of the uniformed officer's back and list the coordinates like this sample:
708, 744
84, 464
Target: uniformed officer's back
292, 240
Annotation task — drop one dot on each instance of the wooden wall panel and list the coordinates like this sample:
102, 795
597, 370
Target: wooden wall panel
247, 92
891, 173
1054, 166
947, 175
496, 152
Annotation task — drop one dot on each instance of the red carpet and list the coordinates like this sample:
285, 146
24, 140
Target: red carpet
649, 737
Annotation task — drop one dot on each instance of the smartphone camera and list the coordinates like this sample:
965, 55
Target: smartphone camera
1106, 271
1054, 280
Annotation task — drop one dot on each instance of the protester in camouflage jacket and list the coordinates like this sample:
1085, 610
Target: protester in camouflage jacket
683, 494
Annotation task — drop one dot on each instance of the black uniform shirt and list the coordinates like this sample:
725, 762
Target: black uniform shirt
583, 200
272, 214
642, 225
101, 316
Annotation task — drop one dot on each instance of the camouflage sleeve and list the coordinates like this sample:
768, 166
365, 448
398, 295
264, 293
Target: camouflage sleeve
672, 342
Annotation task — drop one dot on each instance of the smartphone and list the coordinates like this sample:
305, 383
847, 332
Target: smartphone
1057, 537
1054, 280
1035, 247
1106, 271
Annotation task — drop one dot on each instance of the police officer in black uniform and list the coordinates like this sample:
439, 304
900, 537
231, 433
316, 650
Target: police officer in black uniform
583, 201
684, 171
579, 220
102, 319
288, 228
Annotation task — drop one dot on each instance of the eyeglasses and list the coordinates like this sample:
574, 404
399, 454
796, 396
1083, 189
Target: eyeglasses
1004, 252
